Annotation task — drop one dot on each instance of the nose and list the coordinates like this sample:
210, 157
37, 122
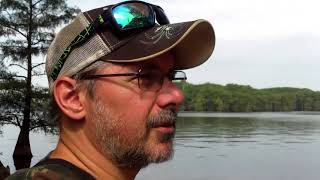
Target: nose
170, 95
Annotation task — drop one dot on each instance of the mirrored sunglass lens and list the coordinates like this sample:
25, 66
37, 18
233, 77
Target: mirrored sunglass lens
133, 15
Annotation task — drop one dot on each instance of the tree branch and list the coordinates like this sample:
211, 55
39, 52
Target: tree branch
41, 12
5, 121
39, 41
17, 30
39, 74
17, 120
13, 76
19, 76
9, 15
18, 66
37, 65
33, 5
42, 41
9, 123
38, 126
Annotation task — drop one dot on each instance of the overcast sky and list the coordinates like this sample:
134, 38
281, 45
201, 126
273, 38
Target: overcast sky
261, 43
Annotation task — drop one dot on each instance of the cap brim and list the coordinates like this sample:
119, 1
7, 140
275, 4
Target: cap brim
191, 43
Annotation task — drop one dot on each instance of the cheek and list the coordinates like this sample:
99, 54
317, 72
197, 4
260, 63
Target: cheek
135, 116
132, 108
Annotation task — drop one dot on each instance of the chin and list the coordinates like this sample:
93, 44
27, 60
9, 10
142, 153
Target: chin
160, 151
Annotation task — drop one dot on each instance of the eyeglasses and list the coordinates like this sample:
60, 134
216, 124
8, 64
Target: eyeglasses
124, 17
151, 80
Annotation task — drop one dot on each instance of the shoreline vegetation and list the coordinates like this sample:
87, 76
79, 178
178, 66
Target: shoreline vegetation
210, 97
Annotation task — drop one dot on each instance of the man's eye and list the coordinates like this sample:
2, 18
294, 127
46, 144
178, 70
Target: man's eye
148, 80
145, 81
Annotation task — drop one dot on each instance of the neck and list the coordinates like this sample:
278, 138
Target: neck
75, 147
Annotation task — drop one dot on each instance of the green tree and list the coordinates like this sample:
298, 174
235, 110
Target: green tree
11, 100
238, 98
218, 103
26, 30
199, 103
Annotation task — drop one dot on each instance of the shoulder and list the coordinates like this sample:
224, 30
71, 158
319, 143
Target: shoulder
39, 172
52, 169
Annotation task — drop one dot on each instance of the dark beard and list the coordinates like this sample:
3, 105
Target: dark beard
135, 155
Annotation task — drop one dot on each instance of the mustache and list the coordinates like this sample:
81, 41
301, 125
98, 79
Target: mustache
164, 118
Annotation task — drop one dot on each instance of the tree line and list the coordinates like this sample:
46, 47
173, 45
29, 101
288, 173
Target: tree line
240, 98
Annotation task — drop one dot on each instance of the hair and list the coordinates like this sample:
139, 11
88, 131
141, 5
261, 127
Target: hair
54, 111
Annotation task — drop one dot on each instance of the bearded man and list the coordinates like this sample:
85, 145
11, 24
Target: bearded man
111, 74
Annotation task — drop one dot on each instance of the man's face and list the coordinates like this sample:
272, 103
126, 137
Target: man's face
135, 127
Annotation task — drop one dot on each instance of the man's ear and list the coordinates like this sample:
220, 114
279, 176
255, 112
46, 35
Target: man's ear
70, 101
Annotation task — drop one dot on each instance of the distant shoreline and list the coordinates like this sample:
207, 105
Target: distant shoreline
247, 114
239, 98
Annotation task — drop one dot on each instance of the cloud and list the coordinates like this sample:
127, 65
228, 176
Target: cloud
234, 19
263, 43
250, 19
288, 61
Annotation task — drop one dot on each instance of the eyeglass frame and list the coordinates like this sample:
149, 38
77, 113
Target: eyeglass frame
138, 75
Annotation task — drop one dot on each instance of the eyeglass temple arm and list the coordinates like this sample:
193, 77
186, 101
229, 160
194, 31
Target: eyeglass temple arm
108, 75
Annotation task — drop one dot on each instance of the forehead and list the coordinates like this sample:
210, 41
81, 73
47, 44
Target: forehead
164, 62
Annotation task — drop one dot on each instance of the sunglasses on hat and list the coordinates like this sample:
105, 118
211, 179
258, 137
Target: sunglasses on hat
124, 17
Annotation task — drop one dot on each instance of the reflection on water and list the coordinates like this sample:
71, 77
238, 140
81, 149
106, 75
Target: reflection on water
224, 146
234, 131
243, 146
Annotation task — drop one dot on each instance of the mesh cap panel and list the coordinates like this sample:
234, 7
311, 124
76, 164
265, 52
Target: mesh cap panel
80, 57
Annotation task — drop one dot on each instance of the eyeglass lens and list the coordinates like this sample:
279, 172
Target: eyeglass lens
178, 76
153, 80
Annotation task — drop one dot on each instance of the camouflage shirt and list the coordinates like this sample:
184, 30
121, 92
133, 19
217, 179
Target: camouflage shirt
51, 169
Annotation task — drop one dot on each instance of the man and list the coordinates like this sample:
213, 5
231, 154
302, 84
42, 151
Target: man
111, 74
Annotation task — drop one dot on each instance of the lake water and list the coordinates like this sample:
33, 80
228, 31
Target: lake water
223, 146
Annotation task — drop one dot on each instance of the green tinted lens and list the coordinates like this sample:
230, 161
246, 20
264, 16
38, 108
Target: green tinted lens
133, 15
